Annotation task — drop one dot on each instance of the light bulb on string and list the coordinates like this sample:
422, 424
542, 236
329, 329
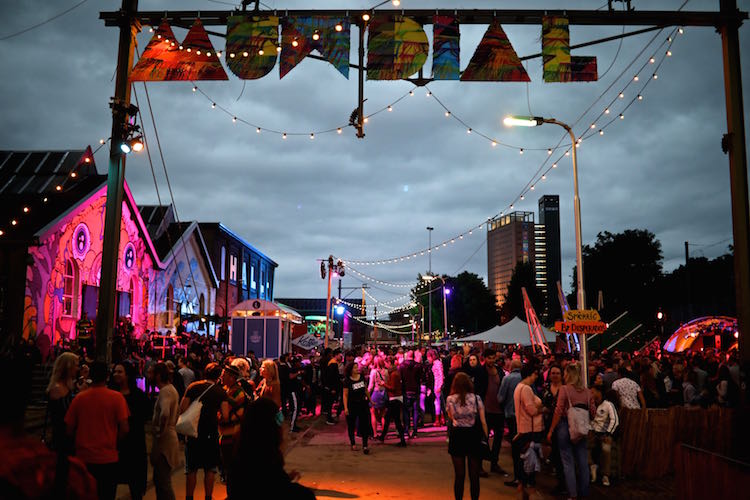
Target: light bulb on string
656, 77
283, 136
549, 152
58, 188
494, 144
181, 47
261, 52
554, 165
195, 89
312, 136
621, 96
231, 55
411, 92
468, 131
234, 119
338, 130
189, 49
447, 114
601, 132
102, 141
640, 97
390, 108
73, 175
593, 125
520, 151
635, 78
13, 222
669, 53
45, 200
622, 117
213, 105
365, 17
25, 210
339, 27
278, 48
2, 232
366, 119
316, 35
567, 153
245, 54
652, 60
198, 52
532, 187
680, 30
257, 130
544, 177
606, 112
522, 197
429, 93
218, 53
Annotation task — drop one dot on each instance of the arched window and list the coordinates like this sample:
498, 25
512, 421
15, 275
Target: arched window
71, 286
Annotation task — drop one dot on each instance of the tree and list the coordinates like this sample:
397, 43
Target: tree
524, 275
471, 305
627, 268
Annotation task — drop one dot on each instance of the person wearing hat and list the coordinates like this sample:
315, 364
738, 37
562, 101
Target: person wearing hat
229, 427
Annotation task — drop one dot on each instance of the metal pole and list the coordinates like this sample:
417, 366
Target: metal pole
328, 303
106, 315
581, 296
738, 178
361, 112
429, 272
445, 318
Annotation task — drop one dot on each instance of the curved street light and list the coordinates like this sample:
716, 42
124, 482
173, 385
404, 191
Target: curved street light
534, 121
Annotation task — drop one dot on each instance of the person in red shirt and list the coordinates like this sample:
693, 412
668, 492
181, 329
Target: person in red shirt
97, 418
28, 469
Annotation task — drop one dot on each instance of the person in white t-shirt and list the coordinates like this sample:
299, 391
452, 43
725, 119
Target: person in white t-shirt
629, 392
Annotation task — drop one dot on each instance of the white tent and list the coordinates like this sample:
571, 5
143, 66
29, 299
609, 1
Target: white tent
515, 331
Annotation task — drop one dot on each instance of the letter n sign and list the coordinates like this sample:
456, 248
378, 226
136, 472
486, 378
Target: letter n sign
559, 65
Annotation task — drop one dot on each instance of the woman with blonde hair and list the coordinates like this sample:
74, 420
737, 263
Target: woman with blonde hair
573, 453
59, 397
270, 387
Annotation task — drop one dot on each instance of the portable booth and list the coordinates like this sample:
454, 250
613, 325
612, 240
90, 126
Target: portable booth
263, 327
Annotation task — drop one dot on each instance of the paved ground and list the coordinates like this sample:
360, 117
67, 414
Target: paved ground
422, 470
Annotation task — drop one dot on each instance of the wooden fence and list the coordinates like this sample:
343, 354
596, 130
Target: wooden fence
649, 439
700, 474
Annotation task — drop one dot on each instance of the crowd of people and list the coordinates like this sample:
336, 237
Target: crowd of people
98, 416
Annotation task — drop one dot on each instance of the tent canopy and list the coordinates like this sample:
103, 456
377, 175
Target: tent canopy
515, 331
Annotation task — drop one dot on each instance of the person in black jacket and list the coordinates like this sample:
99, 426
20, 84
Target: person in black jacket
258, 471
411, 377
331, 386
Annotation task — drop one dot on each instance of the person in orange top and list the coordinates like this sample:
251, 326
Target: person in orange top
97, 418
529, 424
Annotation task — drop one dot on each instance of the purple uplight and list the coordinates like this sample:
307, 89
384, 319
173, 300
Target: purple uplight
447, 291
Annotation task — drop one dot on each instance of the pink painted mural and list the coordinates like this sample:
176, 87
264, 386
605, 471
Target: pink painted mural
62, 278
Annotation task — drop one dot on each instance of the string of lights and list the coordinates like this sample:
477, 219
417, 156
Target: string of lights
25, 210
536, 178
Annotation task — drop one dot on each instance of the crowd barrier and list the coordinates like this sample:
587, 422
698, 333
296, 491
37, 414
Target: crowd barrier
649, 439
700, 474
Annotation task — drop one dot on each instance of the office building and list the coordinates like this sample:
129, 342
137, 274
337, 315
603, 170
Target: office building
510, 240
549, 218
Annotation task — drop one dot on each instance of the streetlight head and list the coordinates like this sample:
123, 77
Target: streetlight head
522, 121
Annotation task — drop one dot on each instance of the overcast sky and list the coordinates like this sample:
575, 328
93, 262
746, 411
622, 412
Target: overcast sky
298, 200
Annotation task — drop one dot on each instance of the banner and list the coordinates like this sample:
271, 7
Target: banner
445, 48
302, 31
165, 59
495, 60
251, 45
559, 65
307, 342
397, 48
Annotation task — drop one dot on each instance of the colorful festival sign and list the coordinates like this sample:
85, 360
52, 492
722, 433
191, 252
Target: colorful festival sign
298, 39
495, 59
446, 36
167, 60
397, 48
559, 65
251, 45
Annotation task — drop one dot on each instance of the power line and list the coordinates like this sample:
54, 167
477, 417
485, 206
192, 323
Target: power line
25, 30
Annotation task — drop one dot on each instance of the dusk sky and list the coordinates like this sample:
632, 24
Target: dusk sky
660, 168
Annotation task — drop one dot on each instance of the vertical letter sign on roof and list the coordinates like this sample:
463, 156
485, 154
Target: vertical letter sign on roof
251, 45
559, 65
396, 48
495, 59
445, 52
331, 44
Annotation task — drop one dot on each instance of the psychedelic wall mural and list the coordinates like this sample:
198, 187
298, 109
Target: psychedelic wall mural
62, 278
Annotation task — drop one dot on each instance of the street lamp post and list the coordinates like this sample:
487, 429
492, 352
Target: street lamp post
533, 121
429, 272
446, 292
